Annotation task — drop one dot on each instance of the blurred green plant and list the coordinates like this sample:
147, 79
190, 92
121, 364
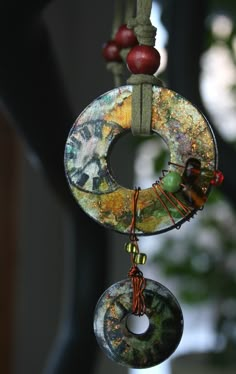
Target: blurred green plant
202, 261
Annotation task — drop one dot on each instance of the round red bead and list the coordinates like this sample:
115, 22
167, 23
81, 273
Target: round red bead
111, 52
143, 59
125, 38
218, 178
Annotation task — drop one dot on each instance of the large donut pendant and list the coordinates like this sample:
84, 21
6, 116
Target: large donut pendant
180, 124
144, 350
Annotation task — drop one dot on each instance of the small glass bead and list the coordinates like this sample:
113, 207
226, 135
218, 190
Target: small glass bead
140, 258
218, 178
131, 248
171, 182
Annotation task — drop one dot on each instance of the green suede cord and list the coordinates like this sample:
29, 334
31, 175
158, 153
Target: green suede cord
142, 83
144, 78
130, 7
116, 68
117, 18
129, 10
142, 102
123, 53
141, 24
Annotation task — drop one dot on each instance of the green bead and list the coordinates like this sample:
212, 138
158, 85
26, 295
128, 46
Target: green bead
140, 258
131, 248
171, 182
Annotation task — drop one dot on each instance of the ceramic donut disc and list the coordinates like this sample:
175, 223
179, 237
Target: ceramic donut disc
150, 347
179, 123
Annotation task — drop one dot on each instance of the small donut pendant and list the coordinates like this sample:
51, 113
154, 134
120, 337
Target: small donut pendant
143, 350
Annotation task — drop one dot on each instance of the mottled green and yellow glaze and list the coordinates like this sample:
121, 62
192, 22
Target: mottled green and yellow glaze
143, 350
179, 123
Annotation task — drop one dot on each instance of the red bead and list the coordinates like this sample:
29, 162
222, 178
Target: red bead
125, 38
218, 178
111, 52
143, 59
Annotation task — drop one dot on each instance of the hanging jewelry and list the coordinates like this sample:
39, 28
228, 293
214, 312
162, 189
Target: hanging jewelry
138, 296
187, 135
143, 107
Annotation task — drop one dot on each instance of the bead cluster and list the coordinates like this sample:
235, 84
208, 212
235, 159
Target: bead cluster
124, 38
138, 258
141, 59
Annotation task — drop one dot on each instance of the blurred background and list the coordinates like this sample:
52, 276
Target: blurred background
54, 261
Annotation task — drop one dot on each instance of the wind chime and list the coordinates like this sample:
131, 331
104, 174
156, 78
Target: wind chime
144, 107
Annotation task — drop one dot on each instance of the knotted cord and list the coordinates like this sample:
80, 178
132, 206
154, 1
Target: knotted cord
142, 83
129, 14
138, 281
138, 284
116, 68
141, 24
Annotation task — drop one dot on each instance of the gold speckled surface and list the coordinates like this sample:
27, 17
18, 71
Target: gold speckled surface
179, 123
143, 350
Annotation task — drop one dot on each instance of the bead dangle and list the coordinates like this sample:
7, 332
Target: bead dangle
138, 296
137, 258
122, 39
143, 107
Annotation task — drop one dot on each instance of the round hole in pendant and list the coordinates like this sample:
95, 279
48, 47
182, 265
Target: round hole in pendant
137, 324
141, 158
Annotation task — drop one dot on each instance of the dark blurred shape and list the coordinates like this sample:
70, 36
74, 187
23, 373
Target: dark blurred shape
33, 98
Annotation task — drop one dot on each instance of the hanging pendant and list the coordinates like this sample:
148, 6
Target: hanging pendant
130, 349
143, 108
187, 135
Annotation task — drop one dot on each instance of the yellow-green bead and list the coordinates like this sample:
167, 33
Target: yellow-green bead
131, 248
140, 258
171, 182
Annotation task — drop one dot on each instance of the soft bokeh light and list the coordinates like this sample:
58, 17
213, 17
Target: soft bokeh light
161, 35
222, 26
217, 78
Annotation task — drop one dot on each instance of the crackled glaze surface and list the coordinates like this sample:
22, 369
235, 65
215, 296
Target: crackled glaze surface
179, 123
144, 350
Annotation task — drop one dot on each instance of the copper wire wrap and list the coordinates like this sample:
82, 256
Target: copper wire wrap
172, 199
138, 284
132, 235
138, 281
